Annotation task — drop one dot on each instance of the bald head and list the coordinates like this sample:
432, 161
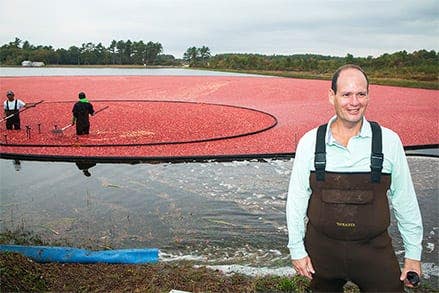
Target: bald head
343, 68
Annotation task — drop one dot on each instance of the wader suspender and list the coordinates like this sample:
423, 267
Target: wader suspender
376, 157
320, 154
7, 106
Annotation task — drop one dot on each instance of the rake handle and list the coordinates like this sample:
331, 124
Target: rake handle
26, 108
100, 110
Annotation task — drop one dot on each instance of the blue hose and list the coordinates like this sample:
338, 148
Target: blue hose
45, 254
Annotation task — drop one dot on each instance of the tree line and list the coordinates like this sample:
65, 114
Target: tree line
419, 65
197, 57
116, 53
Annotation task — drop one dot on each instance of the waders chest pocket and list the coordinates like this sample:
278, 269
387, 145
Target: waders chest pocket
355, 197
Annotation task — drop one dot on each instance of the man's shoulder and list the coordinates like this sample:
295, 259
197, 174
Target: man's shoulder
77, 106
390, 138
311, 134
389, 134
309, 137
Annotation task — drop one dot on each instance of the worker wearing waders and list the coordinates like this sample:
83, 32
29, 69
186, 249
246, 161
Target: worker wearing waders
343, 174
12, 108
81, 111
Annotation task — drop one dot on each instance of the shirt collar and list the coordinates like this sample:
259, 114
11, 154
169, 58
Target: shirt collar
365, 131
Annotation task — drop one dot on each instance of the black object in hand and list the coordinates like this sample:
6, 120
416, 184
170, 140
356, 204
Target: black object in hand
413, 278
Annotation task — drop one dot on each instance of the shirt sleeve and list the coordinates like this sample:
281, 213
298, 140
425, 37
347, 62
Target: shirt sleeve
405, 204
20, 104
299, 192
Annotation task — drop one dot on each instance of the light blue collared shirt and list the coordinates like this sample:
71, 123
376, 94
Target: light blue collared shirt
355, 157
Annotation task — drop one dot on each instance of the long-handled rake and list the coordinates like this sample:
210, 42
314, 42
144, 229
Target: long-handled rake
61, 130
21, 111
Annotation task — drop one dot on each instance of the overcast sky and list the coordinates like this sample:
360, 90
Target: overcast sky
359, 27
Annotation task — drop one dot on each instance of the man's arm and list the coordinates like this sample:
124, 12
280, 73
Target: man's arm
30, 105
297, 204
92, 111
406, 210
74, 114
405, 205
22, 104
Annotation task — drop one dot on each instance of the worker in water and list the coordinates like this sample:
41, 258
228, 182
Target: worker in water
12, 108
81, 111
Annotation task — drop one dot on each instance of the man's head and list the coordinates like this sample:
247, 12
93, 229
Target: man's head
81, 95
344, 67
10, 95
349, 94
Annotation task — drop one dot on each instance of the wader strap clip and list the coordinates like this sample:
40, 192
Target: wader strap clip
320, 154
377, 157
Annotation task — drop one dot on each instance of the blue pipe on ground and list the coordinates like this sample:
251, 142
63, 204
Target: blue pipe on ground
76, 255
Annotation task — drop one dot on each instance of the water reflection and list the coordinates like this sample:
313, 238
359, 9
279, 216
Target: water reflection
84, 166
17, 165
70, 71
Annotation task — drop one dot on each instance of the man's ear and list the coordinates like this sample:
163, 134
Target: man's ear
331, 96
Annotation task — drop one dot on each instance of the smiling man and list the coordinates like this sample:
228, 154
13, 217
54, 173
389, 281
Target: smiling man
343, 175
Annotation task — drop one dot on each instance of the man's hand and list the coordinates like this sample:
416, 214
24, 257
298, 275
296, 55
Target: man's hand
30, 105
410, 265
303, 267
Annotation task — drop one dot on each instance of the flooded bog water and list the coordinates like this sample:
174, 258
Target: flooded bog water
225, 214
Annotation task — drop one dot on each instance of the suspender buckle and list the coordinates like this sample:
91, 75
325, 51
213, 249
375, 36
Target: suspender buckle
320, 166
376, 161
320, 160
376, 165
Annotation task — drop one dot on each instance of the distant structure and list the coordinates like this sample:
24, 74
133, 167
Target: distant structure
28, 63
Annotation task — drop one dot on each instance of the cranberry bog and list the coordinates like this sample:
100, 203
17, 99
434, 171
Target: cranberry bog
178, 118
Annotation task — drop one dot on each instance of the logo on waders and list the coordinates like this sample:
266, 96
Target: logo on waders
345, 225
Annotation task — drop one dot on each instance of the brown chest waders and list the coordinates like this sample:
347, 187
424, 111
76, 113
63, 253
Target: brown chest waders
348, 213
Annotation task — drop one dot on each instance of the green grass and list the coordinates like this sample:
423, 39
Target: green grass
21, 277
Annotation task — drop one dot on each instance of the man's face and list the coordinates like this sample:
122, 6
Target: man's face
350, 101
10, 97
